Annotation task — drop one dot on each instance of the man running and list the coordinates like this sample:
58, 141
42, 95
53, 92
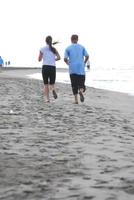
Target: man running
76, 57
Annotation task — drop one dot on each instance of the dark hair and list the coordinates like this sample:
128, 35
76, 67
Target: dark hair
49, 42
74, 37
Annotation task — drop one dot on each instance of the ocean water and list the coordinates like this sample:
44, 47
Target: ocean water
115, 79
119, 79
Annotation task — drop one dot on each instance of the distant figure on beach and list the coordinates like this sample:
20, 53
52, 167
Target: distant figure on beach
7, 63
76, 57
1, 62
49, 55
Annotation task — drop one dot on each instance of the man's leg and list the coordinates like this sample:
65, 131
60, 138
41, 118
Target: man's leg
81, 87
73, 78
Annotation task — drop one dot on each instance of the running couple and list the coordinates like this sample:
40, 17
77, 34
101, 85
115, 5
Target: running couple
75, 57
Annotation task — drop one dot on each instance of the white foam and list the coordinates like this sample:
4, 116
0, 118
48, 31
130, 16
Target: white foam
114, 80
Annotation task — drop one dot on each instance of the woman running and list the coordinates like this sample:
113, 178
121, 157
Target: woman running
49, 55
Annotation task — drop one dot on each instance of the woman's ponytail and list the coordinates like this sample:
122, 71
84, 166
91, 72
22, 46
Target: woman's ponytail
49, 42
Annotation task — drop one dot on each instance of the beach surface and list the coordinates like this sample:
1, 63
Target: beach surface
63, 151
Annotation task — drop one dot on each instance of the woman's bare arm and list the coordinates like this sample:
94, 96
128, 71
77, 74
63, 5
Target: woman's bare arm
57, 56
40, 56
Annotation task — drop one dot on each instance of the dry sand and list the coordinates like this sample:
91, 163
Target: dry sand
63, 151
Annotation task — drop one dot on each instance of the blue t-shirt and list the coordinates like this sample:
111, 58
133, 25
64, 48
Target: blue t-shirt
76, 53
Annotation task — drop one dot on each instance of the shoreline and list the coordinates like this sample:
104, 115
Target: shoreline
28, 68
95, 96
22, 72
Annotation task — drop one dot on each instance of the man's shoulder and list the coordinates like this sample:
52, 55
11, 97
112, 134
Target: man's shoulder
80, 45
69, 46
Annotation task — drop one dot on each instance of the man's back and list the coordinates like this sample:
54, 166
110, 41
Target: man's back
76, 53
75, 57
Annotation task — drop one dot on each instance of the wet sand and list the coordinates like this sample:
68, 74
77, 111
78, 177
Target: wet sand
63, 151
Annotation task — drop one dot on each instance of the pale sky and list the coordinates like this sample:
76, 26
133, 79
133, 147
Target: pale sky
105, 28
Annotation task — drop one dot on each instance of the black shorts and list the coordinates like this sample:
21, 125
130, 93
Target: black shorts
49, 74
77, 82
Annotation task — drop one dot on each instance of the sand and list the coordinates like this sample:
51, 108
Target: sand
63, 151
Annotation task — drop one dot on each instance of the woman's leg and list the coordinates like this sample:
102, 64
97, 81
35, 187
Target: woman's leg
52, 87
45, 76
52, 81
46, 91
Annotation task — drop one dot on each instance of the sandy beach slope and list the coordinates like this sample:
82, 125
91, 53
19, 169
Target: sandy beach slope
63, 151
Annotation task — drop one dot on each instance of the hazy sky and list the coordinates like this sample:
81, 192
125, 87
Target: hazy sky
105, 28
